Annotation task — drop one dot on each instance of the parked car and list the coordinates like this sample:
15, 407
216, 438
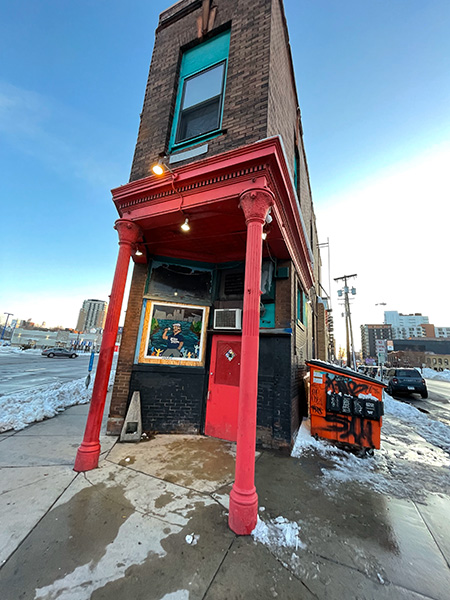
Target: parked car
56, 352
406, 381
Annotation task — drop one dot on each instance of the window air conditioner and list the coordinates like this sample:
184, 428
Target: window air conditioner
227, 318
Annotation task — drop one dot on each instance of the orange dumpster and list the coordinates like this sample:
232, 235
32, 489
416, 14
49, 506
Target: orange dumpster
344, 405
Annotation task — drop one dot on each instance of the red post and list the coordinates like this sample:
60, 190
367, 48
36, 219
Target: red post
89, 451
243, 498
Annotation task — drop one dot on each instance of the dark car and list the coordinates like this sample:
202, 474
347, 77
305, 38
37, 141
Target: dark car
406, 381
56, 352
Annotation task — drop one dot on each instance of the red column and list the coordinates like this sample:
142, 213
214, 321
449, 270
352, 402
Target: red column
243, 498
89, 451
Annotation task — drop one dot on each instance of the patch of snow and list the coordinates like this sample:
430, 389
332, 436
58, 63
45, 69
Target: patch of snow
278, 532
437, 375
192, 539
18, 350
20, 409
414, 458
178, 595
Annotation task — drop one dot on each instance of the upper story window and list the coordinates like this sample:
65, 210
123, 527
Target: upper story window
201, 88
201, 104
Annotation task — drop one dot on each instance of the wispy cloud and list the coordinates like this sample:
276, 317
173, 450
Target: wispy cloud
57, 136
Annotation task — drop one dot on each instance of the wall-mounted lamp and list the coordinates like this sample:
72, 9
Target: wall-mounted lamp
185, 226
159, 168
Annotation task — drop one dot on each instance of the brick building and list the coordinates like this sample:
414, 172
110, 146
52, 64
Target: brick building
221, 115
369, 336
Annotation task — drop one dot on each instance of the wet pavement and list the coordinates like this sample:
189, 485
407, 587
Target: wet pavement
151, 523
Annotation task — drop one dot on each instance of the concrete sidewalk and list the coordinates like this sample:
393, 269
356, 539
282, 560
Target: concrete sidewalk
151, 523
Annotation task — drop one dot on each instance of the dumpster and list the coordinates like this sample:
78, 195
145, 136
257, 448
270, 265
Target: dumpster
345, 406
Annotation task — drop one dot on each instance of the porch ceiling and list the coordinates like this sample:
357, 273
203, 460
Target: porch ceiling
217, 234
207, 193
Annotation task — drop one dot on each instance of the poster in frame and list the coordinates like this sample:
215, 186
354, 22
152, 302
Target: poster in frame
173, 334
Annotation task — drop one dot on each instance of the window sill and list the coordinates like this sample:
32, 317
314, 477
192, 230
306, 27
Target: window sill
198, 140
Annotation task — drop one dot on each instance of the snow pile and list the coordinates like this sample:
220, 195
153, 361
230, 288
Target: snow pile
412, 462
18, 350
435, 432
437, 375
19, 410
278, 532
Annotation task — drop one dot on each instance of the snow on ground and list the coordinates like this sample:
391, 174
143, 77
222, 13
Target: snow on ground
20, 409
437, 375
278, 532
414, 458
16, 350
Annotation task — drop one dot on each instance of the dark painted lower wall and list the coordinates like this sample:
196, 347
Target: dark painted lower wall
173, 398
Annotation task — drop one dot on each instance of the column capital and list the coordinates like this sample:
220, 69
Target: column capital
129, 232
255, 203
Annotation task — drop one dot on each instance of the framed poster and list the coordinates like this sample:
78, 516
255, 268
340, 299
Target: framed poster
173, 334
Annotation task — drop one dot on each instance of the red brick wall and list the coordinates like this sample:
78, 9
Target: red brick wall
125, 361
245, 106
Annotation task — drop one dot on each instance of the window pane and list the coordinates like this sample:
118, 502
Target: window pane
179, 282
203, 86
199, 120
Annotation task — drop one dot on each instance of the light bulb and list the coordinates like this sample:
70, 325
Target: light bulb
157, 169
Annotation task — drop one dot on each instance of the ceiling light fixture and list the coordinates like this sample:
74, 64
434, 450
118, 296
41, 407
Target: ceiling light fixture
185, 226
138, 252
264, 235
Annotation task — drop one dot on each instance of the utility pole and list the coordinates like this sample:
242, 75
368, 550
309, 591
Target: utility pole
351, 358
6, 323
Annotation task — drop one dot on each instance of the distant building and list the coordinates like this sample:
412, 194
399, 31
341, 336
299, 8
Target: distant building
405, 326
369, 335
46, 338
428, 330
92, 315
442, 332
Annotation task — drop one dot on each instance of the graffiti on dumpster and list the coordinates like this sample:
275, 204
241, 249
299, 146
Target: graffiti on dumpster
344, 385
316, 402
354, 430
349, 428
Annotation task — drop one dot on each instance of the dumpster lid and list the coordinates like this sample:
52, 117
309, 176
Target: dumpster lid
343, 371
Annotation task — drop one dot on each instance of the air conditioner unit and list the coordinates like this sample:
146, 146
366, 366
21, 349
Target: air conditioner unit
227, 318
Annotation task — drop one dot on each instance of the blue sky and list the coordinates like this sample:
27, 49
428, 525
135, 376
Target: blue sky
374, 89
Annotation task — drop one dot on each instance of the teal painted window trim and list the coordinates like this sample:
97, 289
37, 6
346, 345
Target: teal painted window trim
296, 170
267, 321
194, 61
301, 307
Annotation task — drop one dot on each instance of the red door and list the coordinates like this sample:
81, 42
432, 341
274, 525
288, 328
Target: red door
223, 389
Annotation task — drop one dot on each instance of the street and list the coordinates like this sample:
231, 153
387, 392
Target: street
437, 405
25, 370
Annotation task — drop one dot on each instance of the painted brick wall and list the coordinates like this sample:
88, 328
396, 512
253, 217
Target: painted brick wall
171, 397
245, 106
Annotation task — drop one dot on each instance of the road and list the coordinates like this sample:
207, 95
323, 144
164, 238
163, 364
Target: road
22, 371
437, 405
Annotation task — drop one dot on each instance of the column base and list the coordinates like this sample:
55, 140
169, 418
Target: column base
87, 456
243, 512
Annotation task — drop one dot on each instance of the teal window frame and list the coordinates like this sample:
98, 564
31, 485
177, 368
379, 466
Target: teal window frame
194, 62
301, 306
